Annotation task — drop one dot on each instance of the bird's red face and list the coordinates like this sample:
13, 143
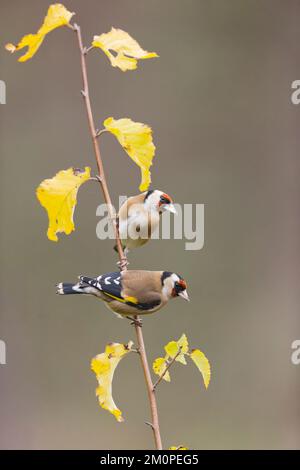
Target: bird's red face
165, 199
166, 203
179, 289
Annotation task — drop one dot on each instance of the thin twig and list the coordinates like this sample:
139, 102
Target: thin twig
149, 424
103, 183
166, 369
94, 178
86, 50
122, 257
135, 350
100, 132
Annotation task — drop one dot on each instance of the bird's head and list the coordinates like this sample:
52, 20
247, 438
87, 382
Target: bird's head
159, 201
174, 285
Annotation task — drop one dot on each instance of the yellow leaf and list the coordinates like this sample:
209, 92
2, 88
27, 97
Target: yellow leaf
126, 48
33, 41
172, 349
136, 139
104, 366
58, 196
202, 363
57, 16
183, 342
178, 448
159, 367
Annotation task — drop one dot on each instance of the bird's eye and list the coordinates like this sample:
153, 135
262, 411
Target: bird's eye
164, 200
179, 287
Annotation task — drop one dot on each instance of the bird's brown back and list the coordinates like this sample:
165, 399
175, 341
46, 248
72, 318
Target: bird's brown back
136, 283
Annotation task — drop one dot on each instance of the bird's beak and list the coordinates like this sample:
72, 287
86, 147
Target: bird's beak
184, 295
170, 208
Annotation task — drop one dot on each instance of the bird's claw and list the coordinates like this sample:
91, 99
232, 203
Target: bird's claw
122, 264
135, 321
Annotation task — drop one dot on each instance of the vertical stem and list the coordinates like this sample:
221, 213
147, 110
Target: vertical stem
122, 257
102, 179
150, 388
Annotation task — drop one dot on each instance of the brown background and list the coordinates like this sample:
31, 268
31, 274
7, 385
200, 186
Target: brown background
227, 135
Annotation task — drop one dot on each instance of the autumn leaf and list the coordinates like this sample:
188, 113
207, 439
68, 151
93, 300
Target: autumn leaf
136, 140
172, 349
178, 351
180, 447
159, 367
127, 49
104, 366
58, 196
203, 365
57, 16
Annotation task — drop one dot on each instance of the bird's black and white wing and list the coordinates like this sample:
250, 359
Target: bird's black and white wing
135, 293
109, 283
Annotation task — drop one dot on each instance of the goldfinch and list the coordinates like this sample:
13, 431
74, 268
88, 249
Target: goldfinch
139, 217
130, 292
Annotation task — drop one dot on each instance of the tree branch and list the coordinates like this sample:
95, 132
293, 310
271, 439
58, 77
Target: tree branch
150, 389
103, 183
122, 257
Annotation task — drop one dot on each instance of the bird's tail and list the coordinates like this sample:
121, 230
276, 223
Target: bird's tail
66, 288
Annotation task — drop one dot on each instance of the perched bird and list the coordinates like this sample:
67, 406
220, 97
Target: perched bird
130, 292
139, 217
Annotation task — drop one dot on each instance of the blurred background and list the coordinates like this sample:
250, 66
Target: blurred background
227, 136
